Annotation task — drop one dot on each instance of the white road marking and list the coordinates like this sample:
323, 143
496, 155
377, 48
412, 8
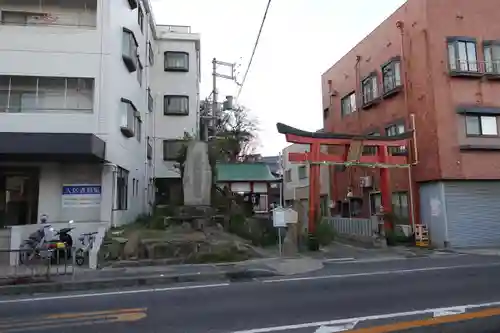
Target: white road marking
367, 318
389, 272
449, 312
111, 293
339, 259
336, 328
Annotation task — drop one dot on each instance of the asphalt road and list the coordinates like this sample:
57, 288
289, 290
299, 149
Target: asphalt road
391, 296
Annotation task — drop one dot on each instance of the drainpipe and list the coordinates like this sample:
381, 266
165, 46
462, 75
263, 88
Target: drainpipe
410, 120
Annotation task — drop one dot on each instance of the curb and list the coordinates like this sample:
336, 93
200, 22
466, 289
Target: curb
124, 282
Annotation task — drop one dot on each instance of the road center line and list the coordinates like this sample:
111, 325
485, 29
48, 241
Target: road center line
373, 317
388, 272
111, 293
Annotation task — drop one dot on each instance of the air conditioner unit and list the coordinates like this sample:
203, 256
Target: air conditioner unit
366, 181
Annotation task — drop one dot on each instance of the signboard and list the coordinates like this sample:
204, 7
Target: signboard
81, 196
283, 216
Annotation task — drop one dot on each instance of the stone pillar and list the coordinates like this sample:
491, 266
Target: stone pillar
197, 177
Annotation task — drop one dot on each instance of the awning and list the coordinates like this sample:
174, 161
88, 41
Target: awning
51, 147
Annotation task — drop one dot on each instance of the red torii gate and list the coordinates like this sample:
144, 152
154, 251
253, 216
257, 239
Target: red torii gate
352, 156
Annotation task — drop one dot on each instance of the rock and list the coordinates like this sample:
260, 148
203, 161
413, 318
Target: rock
134, 248
199, 224
290, 245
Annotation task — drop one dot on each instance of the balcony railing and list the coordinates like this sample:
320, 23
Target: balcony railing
476, 67
184, 29
74, 13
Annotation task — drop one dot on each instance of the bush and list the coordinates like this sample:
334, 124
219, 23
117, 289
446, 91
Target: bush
324, 234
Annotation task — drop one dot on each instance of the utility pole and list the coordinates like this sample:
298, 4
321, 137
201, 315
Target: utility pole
228, 103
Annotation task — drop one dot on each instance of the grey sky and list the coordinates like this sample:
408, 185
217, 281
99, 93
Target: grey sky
300, 41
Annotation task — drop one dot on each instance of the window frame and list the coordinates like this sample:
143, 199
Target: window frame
170, 113
351, 97
129, 129
299, 172
370, 81
491, 65
140, 18
151, 101
453, 43
371, 150
175, 69
165, 149
480, 125
122, 177
133, 4
130, 60
392, 64
140, 71
397, 125
151, 55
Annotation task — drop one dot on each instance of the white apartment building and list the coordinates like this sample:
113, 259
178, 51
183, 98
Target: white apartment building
82, 112
176, 82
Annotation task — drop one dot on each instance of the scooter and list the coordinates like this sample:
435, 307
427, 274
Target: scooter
61, 247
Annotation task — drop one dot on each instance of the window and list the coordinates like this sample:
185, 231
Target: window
348, 104
394, 130
138, 127
133, 4
129, 51
139, 71
326, 112
151, 55
31, 94
370, 150
149, 149
492, 57
400, 205
176, 105
288, 175
140, 18
172, 149
462, 55
391, 75
302, 170
121, 189
150, 101
370, 89
481, 125
176, 61
129, 115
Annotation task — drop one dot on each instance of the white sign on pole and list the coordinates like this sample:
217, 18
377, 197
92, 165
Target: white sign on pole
279, 217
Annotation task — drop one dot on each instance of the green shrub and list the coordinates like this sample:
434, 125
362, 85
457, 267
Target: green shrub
324, 234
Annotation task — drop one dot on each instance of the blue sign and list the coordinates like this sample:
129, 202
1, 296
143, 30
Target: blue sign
81, 190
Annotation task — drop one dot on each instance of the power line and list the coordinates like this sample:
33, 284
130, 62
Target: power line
254, 49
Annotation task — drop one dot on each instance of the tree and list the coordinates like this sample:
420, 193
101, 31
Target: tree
236, 134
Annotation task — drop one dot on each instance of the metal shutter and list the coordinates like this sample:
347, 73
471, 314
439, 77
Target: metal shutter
473, 213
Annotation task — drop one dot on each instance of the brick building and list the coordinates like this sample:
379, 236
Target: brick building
438, 60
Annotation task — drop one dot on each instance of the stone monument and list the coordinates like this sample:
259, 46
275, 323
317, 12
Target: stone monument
197, 182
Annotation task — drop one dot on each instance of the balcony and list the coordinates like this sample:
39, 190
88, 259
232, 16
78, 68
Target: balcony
68, 13
30, 94
490, 69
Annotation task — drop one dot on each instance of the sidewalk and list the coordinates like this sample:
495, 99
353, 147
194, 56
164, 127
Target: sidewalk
141, 276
